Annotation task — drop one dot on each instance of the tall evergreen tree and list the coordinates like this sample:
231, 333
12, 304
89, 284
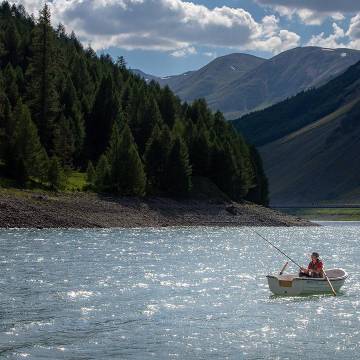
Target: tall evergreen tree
90, 175
156, 158
127, 170
29, 158
105, 113
260, 192
10, 85
103, 175
148, 115
12, 44
168, 107
7, 125
201, 153
42, 74
3, 52
56, 176
179, 169
71, 109
64, 142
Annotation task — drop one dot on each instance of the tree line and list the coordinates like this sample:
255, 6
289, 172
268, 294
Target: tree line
63, 107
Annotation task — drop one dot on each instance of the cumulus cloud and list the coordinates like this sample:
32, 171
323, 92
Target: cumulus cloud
184, 52
313, 12
339, 37
175, 26
354, 28
330, 6
210, 54
331, 41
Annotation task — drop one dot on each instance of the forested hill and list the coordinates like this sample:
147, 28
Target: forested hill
62, 107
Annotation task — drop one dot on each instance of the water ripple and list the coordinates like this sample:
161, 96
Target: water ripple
178, 293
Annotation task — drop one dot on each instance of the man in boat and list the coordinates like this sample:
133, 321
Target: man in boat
315, 267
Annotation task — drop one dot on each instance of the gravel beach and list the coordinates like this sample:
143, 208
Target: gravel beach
29, 209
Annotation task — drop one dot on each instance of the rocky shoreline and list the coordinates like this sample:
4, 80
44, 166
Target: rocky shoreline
29, 209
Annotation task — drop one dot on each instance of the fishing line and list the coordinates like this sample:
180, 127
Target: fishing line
277, 249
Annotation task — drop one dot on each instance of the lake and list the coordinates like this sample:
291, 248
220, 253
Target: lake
178, 293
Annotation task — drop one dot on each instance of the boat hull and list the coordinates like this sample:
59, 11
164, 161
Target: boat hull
293, 285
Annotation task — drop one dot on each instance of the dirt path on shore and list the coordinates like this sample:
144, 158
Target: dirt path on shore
28, 209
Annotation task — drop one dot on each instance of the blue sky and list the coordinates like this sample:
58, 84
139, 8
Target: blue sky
164, 37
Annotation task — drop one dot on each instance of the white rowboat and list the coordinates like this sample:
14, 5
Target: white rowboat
292, 285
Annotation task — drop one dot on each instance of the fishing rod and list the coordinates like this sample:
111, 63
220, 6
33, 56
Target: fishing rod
277, 249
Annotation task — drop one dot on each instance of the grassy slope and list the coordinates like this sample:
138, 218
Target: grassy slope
76, 181
325, 214
317, 164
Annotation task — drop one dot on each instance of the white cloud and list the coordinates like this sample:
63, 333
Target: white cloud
175, 26
331, 41
340, 38
285, 40
313, 12
210, 54
329, 6
184, 52
354, 28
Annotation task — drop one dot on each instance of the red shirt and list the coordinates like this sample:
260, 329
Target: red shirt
318, 266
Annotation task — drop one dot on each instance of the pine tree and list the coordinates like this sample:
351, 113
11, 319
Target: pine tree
7, 128
56, 175
127, 170
201, 153
3, 52
178, 169
10, 85
105, 113
64, 146
224, 170
90, 174
102, 174
156, 159
12, 44
29, 158
42, 72
168, 107
153, 165
71, 109
259, 193
121, 63
83, 83
148, 115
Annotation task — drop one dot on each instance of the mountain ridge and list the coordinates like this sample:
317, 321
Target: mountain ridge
238, 84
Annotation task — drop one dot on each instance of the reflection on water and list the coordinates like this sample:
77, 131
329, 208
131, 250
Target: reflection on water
172, 293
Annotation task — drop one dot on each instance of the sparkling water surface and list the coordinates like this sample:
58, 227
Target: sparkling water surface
182, 293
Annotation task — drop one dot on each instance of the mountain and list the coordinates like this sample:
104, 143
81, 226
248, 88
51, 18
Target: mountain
146, 77
212, 77
310, 144
237, 84
281, 77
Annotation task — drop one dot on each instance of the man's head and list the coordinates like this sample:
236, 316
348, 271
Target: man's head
315, 256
